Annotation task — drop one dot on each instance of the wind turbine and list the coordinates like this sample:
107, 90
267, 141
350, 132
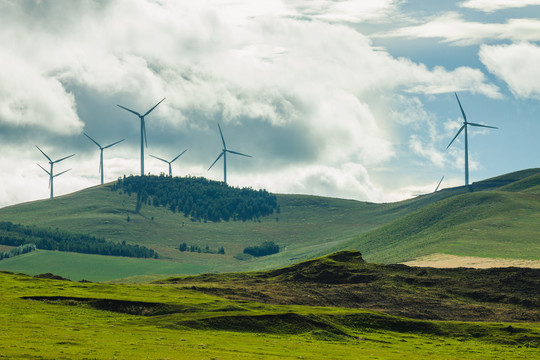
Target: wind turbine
464, 126
169, 162
101, 153
51, 176
143, 130
224, 154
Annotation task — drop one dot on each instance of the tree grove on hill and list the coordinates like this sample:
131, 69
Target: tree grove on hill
16, 235
266, 248
19, 250
199, 198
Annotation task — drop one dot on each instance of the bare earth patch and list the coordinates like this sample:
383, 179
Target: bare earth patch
454, 261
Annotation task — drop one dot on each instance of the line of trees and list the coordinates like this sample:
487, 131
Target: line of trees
45, 239
266, 248
196, 248
199, 198
19, 250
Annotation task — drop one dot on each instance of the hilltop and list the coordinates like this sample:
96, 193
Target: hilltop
492, 218
344, 279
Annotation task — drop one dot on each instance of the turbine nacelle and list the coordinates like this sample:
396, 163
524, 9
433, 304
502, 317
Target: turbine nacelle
170, 162
50, 173
144, 141
464, 127
223, 153
101, 148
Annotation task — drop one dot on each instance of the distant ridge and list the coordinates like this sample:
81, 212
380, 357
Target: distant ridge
496, 218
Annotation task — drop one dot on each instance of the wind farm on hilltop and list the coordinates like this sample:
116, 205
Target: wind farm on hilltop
337, 270
225, 150
277, 180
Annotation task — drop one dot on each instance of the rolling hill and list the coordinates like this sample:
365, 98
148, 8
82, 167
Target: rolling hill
496, 217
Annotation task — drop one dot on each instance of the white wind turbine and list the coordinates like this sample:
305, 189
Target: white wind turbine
224, 154
169, 162
464, 127
51, 175
143, 130
101, 148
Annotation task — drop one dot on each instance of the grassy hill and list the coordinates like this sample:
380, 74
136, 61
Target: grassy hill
496, 218
54, 319
501, 223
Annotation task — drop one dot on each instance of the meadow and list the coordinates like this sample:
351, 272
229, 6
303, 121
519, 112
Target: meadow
56, 319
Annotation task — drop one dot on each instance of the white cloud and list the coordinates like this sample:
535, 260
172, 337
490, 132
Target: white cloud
348, 180
310, 85
451, 27
29, 97
494, 5
346, 10
517, 65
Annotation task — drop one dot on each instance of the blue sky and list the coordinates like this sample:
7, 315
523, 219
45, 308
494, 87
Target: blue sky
350, 99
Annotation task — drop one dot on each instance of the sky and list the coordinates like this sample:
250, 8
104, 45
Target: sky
340, 98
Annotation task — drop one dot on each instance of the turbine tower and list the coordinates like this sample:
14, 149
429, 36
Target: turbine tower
169, 162
143, 130
224, 154
51, 175
101, 153
464, 127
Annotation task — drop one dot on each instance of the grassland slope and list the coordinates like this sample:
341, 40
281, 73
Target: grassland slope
477, 220
500, 223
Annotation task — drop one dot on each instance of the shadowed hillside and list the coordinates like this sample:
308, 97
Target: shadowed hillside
344, 279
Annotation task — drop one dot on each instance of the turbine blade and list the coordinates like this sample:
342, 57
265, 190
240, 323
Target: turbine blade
462, 112
155, 157
173, 160
149, 111
64, 158
94, 141
439, 184
485, 126
108, 146
144, 131
459, 132
237, 153
63, 172
43, 153
131, 111
222, 139
215, 161
43, 169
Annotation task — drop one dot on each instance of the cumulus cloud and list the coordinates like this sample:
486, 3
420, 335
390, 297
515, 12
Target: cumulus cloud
517, 65
346, 10
288, 90
495, 5
452, 28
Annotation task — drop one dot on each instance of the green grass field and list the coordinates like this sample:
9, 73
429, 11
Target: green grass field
52, 319
497, 217
496, 224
